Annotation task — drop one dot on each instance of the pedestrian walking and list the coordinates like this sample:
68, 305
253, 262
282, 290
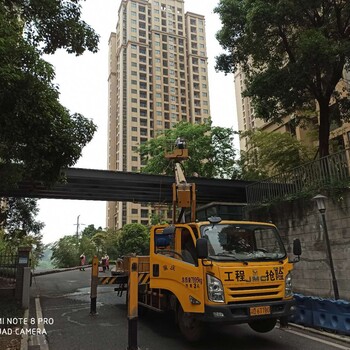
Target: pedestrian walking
103, 263
107, 262
82, 262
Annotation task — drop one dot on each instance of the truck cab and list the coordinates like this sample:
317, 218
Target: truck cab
220, 271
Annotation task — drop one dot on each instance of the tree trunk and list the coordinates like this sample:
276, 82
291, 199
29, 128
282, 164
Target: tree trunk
324, 128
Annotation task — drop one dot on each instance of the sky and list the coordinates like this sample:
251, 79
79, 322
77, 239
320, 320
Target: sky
83, 89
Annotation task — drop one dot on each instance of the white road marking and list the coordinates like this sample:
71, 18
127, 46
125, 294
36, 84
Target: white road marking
338, 346
41, 339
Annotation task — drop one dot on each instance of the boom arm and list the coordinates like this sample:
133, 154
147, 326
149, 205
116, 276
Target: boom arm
184, 195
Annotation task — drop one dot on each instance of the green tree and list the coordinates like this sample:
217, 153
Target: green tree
269, 154
37, 133
99, 239
20, 227
210, 149
65, 252
292, 52
111, 243
134, 238
90, 230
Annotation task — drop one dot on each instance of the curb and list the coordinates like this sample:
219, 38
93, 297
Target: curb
340, 337
24, 337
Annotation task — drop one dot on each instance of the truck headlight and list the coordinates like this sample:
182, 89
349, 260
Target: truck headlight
215, 289
288, 287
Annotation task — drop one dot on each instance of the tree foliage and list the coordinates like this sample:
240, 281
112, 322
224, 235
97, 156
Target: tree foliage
37, 132
292, 52
269, 154
133, 239
20, 227
65, 252
210, 149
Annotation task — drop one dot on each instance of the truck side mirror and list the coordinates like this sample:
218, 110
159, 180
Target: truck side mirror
202, 248
297, 249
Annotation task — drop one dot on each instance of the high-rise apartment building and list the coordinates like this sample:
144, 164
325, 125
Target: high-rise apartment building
157, 77
247, 119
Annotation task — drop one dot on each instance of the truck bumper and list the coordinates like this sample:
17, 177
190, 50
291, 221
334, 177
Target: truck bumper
240, 313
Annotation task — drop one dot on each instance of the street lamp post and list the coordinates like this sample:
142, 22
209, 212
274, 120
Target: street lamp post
321, 206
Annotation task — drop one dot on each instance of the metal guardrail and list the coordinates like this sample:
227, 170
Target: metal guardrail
310, 177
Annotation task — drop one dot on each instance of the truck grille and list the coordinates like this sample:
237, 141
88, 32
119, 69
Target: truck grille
239, 294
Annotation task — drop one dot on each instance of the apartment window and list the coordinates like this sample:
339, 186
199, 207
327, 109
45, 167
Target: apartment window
134, 100
134, 158
133, 82
134, 138
144, 213
133, 46
134, 128
134, 110
134, 211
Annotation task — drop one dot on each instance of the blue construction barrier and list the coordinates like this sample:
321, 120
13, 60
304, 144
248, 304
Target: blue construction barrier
327, 314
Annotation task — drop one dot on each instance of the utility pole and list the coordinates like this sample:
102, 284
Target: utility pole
78, 226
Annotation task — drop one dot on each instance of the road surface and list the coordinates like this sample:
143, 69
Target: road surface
63, 299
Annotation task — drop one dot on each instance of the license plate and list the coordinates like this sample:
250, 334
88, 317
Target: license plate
259, 310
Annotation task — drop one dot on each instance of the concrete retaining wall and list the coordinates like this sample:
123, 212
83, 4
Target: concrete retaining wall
301, 219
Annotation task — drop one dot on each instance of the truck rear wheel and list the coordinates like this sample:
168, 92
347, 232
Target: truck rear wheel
190, 327
263, 326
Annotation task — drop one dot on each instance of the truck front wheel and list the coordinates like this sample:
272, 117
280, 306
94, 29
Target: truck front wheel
263, 326
190, 327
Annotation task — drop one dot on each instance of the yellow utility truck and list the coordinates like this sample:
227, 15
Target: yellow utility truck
217, 271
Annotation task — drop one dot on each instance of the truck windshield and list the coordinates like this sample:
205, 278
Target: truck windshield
243, 242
